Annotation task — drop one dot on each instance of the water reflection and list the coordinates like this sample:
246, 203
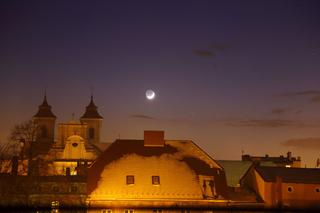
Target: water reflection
138, 211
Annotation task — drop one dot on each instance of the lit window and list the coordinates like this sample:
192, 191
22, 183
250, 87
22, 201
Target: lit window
129, 211
130, 179
106, 211
290, 189
155, 180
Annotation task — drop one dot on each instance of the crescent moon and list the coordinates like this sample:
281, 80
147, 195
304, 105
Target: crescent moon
150, 94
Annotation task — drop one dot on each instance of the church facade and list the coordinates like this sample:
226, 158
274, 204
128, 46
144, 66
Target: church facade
77, 143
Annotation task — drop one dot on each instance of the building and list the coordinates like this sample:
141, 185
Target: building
155, 173
281, 187
42, 191
281, 161
77, 143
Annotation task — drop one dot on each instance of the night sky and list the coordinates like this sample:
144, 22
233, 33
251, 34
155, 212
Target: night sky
231, 75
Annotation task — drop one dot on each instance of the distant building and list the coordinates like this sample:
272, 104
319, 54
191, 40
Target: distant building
280, 161
155, 172
78, 142
42, 191
281, 187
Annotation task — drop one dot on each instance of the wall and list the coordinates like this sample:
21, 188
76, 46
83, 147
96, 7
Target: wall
177, 180
302, 195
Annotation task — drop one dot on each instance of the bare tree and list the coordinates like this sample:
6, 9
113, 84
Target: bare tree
7, 151
22, 138
23, 135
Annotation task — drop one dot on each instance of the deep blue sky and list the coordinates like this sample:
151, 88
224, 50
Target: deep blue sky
231, 75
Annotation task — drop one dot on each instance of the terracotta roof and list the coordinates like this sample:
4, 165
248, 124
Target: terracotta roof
91, 111
44, 110
289, 175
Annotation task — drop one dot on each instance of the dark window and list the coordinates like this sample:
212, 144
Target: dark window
130, 179
74, 144
91, 133
155, 180
36, 188
55, 189
74, 189
44, 132
290, 189
317, 189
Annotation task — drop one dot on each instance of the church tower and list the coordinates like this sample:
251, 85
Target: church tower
45, 119
93, 119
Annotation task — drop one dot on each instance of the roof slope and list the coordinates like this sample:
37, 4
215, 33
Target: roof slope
44, 110
234, 169
91, 111
183, 151
289, 175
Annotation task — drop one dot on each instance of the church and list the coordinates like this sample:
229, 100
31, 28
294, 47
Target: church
77, 143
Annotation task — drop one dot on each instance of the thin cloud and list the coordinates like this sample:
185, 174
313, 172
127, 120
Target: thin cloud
312, 95
301, 93
212, 50
204, 53
305, 143
269, 123
220, 46
279, 111
282, 111
143, 117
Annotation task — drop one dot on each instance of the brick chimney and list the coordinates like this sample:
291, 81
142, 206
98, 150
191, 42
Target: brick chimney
154, 138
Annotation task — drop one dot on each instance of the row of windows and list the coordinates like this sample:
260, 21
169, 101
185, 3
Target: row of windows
155, 180
72, 189
44, 132
290, 189
129, 211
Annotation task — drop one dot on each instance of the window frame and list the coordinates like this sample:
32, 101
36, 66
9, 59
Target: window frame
130, 179
155, 179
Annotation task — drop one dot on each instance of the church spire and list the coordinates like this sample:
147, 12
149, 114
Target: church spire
91, 110
44, 109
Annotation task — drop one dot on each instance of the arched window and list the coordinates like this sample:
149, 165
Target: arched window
44, 132
91, 133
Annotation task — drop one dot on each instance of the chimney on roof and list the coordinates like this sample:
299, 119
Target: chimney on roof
154, 138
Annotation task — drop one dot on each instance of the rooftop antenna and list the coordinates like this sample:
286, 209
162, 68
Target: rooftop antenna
72, 116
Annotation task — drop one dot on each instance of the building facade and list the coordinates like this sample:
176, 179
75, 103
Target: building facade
155, 172
77, 143
281, 187
281, 161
